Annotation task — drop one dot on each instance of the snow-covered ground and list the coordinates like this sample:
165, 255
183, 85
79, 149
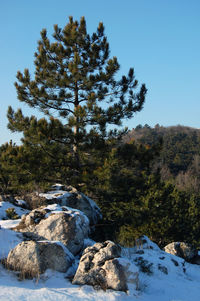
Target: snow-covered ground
6, 205
164, 277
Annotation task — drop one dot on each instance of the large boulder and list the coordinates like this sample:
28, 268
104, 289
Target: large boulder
52, 223
182, 249
100, 266
32, 258
71, 197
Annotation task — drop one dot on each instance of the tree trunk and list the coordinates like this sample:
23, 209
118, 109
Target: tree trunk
76, 128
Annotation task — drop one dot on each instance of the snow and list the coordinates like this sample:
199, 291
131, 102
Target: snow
62, 195
5, 205
56, 208
167, 278
55, 194
21, 202
8, 240
9, 223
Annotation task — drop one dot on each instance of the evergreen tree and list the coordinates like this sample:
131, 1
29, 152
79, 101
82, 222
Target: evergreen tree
120, 184
27, 167
75, 78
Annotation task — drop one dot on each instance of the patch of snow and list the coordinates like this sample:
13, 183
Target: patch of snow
51, 286
57, 186
21, 202
56, 194
9, 223
5, 205
9, 239
55, 208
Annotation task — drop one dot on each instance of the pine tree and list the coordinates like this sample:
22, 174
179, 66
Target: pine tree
75, 85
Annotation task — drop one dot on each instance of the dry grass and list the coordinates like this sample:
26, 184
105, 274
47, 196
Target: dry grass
21, 273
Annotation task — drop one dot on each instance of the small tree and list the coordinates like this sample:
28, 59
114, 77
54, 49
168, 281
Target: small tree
76, 79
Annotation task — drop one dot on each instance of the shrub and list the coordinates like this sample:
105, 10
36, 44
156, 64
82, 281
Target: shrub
11, 213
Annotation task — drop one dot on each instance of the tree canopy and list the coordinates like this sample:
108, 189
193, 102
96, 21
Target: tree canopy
75, 81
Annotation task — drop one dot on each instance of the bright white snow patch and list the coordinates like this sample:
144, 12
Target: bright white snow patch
9, 223
56, 194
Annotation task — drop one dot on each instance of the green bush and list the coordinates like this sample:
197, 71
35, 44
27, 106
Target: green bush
11, 213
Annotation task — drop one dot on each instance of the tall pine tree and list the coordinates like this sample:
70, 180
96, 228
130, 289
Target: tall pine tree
75, 83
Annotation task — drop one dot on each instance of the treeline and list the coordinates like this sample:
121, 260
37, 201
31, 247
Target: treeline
179, 159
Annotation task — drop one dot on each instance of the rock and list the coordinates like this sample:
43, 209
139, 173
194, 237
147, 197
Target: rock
32, 200
100, 265
70, 229
32, 258
70, 226
73, 198
144, 242
29, 221
182, 249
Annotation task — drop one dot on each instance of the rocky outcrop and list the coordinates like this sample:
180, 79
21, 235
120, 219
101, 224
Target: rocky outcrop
56, 223
32, 258
71, 197
100, 266
182, 249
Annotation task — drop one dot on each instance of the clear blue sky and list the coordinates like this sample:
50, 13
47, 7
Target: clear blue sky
159, 38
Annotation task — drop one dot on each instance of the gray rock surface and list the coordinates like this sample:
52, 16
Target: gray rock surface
68, 226
181, 249
32, 258
100, 266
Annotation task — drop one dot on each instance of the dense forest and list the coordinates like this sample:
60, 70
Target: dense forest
145, 180
179, 158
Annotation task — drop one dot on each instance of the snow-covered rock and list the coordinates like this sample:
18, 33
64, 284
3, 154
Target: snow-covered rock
68, 225
101, 266
71, 197
33, 258
182, 249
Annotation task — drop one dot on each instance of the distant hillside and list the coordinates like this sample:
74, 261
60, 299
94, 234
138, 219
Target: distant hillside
179, 159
